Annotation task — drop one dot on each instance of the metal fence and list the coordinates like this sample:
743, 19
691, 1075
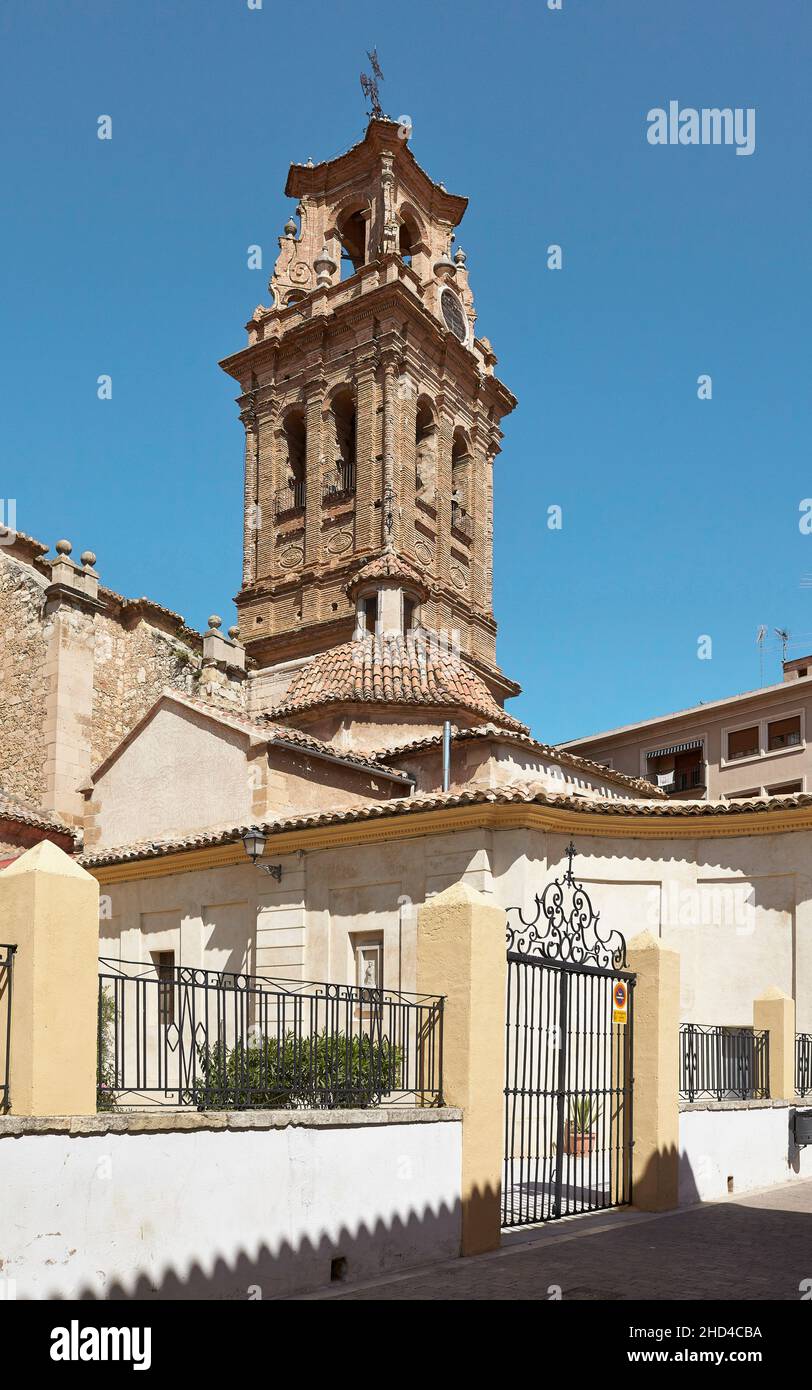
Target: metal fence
803, 1063
721, 1063
6, 983
215, 1040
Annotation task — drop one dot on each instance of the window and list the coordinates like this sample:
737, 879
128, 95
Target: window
739, 796
339, 481
371, 614
369, 962
785, 788
409, 611
368, 949
454, 315
742, 743
352, 234
291, 497
784, 733
460, 472
164, 962
425, 449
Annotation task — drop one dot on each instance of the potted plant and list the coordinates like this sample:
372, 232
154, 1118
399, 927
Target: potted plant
579, 1131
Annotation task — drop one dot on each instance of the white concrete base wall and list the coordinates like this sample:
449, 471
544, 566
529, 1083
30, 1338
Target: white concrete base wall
231, 1213
749, 1143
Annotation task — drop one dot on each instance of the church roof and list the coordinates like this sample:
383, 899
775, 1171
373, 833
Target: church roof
430, 742
636, 809
392, 670
381, 136
264, 728
15, 808
389, 566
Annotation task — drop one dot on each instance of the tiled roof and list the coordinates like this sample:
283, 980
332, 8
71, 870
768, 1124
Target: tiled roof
389, 566
265, 726
262, 728
26, 813
392, 670
547, 750
438, 801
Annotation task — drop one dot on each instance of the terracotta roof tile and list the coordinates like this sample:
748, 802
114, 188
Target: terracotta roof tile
437, 801
389, 565
548, 750
392, 669
15, 808
265, 728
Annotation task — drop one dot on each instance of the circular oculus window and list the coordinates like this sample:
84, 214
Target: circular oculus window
453, 314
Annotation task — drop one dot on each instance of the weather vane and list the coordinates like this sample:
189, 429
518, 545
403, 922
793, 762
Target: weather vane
369, 86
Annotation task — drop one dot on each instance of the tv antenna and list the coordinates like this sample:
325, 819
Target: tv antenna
369, 86
783, 637
761, 637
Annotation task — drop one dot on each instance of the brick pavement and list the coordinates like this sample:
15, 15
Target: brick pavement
758, 1246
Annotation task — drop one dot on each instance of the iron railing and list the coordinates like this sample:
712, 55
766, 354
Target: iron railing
803, 1063
6, 982
341, 484
215, 1040
461, 521
291, 498
718, 1063
684, 780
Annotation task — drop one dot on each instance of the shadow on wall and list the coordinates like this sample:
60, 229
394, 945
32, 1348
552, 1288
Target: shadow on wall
346, 1257
740, 1150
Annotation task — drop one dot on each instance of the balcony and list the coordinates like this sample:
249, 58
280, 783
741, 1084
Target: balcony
461, 522
290, 500
683, 779
341, 485
687, 779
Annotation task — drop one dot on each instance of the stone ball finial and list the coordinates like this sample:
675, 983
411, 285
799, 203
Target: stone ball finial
460, 256
63, 547
215, 621
234, 633
290, 227
88, 559
325, 268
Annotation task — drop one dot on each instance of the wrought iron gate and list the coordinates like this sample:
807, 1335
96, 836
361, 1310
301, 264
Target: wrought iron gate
568, 1063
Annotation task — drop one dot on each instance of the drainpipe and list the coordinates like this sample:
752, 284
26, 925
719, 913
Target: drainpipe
446, 755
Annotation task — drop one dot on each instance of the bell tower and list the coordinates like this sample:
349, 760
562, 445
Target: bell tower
372, 415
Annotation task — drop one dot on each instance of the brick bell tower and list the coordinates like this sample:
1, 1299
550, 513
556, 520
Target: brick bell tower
372, 417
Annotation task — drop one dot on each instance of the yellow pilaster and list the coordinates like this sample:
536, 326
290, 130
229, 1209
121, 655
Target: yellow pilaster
461, 954
775, 1011
49, 909
655, 1163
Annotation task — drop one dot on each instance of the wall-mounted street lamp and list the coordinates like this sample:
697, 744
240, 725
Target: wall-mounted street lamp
254, 843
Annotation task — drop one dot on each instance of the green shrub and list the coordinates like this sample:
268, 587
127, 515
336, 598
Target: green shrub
322, 1071
105, 1065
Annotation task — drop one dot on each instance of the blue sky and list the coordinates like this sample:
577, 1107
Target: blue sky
128, 257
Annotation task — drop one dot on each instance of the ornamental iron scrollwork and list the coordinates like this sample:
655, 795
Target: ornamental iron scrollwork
566, 928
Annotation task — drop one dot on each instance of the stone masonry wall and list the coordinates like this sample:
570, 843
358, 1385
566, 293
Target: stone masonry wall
133, 661
132, 667
23, 644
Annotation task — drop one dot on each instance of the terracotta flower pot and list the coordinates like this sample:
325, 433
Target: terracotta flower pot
578, 1142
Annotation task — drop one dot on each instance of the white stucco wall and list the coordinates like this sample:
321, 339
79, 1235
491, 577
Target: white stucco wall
234, 1213
738, 909
179, 775
749, 1143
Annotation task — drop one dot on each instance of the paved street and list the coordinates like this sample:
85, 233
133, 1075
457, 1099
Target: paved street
752, 1247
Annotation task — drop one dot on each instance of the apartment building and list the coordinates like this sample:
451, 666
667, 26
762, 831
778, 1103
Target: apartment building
753, 744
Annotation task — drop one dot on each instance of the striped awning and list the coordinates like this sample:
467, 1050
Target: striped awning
675, 748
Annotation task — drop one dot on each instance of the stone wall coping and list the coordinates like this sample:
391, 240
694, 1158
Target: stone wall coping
167, 1121
689, 1105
